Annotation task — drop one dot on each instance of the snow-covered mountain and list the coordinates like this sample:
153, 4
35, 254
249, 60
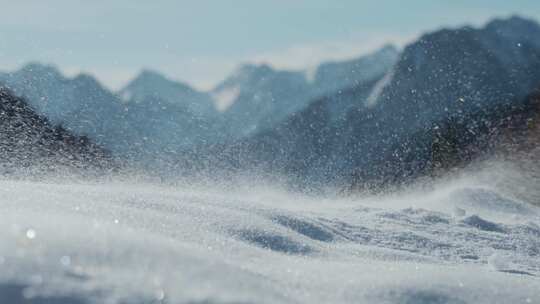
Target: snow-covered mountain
351, 115
155, 113
384, 129
168, 116
146, 124
333, 76
151, 85
264, 96
444, 76
464, 69
256, 98
167, 128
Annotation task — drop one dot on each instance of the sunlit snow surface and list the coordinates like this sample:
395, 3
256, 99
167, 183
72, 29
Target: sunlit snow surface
120, 242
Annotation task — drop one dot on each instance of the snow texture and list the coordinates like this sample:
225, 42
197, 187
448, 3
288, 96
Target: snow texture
119, 242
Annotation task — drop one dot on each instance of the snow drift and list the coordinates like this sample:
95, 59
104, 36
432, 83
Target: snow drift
460, 241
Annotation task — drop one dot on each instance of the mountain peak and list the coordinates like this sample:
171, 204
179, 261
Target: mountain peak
39, 69
251, 70
245, 76
152, 78
149, 86
516, 28
151, 75
149, 83
86, 79
512, 22
387, 48
337, 75
254, 67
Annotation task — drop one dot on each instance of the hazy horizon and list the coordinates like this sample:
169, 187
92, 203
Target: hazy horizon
200, 44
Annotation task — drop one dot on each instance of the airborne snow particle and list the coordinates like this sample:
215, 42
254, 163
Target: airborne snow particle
65, 260
160, 295
31, 234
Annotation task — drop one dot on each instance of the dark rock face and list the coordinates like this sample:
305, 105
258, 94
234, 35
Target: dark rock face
455, 71
455, 141
30, 142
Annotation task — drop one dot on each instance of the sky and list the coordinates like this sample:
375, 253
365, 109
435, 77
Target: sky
200, 42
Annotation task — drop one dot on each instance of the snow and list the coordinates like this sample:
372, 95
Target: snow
225, 97
377, 91
135, 242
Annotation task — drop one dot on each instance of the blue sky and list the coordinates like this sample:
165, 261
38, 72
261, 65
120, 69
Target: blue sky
199, 42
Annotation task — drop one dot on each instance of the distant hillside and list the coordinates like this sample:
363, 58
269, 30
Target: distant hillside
463, 80
29, 143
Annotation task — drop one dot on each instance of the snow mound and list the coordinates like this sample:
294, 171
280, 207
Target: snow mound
125, 243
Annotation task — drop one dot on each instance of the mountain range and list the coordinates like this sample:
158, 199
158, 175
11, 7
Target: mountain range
384, 116
153, 115
370, 131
